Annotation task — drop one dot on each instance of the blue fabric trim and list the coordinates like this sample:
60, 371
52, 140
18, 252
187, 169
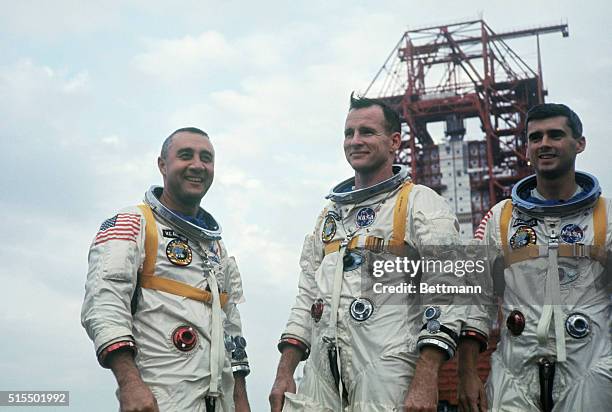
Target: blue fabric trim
199, 220
586, 185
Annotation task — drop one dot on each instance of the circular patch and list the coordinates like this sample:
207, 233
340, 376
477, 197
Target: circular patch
572, 233
351, 261
365, 216
523, 236
361, 309
329, 228
316, 310
578, 325
179, 252
184, 338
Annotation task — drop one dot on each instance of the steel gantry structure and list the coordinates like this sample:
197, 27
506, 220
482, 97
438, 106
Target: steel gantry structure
451, 73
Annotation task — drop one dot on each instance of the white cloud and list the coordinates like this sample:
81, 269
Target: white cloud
235, 177
264, 51
112, 141
189, 56
77, 84
25, 81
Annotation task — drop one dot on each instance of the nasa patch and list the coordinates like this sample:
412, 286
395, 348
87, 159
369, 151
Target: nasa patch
365, 216
572, 233
523, 236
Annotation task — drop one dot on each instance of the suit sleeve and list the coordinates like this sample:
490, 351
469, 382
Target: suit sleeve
299, 325
115, 256
485, 247
233, 323
434, 231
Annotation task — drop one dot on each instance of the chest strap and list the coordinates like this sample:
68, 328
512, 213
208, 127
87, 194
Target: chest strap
373, 243
596, 251
148, 280
395, 244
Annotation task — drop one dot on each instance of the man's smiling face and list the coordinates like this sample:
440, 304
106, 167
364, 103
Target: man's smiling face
368, 146
552, 147
188, 168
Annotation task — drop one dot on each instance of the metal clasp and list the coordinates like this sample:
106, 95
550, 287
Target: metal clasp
551, 225
553, 242
346, 241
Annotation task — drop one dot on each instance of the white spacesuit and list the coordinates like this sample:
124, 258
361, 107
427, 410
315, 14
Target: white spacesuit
181, 317
555, 346
371, 355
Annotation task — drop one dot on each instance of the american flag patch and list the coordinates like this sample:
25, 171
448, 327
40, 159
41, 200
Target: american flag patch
123, 226
483, 224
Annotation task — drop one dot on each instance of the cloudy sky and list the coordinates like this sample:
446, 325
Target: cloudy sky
90, 89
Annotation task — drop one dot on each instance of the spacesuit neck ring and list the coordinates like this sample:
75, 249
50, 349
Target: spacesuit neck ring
188, 228
344, 192
521, 197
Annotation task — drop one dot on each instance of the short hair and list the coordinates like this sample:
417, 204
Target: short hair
548, 110
392, 119
168, 141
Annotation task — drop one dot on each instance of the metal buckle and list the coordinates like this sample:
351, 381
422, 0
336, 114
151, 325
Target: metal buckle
580, 250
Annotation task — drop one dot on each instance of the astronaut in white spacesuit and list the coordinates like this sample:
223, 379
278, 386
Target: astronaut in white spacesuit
161, 294
365, 349
550, 244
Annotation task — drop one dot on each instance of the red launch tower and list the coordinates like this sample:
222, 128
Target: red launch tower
450, 74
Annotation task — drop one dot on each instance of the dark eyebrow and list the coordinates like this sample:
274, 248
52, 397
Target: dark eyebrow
556, 132
367, 129
551, 132
533, 135
184, 150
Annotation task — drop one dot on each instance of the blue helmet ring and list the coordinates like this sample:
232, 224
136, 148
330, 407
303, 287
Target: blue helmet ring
522, 199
